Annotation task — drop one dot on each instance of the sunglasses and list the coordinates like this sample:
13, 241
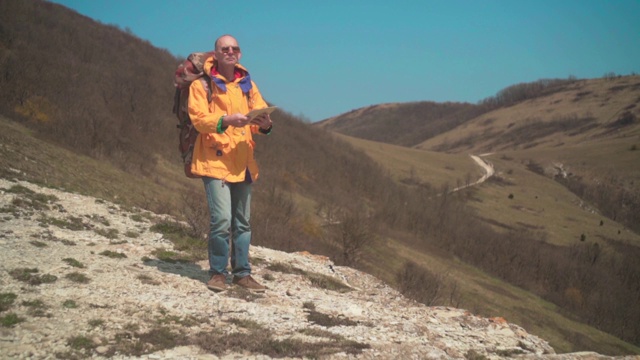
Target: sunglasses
227, 49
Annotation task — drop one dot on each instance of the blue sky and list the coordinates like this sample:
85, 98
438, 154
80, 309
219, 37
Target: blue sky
322, 58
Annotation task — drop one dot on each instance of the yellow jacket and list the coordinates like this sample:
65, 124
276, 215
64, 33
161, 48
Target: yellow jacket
228, 155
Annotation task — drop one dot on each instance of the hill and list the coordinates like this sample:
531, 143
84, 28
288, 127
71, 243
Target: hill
107, 131
74, 287
583, 133
578, 112
413, 122
565, 161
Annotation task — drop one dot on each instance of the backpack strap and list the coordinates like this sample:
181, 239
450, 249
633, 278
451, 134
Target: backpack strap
206, 83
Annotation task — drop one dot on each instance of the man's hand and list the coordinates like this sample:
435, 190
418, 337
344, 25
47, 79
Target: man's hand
237, 120
264, 121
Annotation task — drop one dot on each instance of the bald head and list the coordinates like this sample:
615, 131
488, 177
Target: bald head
222, 38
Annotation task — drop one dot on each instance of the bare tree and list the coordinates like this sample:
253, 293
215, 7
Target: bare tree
352, 234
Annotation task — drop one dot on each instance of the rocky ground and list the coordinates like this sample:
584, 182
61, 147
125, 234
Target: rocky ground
81, 278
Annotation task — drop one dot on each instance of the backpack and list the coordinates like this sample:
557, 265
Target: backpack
189, 71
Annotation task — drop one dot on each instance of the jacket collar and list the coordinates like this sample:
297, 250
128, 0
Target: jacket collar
241, 75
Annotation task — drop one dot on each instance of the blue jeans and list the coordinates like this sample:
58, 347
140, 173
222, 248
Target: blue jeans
229, 210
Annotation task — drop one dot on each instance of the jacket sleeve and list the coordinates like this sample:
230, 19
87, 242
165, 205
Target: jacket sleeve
202, 118
257, 102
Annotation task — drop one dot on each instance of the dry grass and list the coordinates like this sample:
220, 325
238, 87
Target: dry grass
146, 279
259, 342
598, 100
43, 163
325, 320
520, 199
487, 296
427, 167
318, 280
190, 248
543, 205
171, 331
583, 128
31, 276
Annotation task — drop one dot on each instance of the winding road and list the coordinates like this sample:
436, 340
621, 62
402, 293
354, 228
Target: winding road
488, 171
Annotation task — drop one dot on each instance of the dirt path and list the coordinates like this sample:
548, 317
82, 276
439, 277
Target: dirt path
488, 171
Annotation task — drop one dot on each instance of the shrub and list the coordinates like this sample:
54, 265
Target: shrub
94, 323
6, 300
31, 277
73, 262
10, 320
78, 278
194, 249
625, 119
146, 279
420, 284
108, 233
113, 254
36, 308
80, 343
327, 320
318, 280
69, 304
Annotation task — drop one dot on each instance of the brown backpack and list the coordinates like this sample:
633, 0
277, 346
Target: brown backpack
190, 70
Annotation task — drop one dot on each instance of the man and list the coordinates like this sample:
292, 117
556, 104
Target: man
223, 156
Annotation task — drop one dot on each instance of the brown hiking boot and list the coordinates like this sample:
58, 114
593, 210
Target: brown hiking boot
249, 283
218, 282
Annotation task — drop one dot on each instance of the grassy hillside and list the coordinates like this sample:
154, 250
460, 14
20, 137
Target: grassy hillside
402, 124
583, 133
586, 135
591, 110
26, 157
30, 158
493, 297
567, 168
413, 166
